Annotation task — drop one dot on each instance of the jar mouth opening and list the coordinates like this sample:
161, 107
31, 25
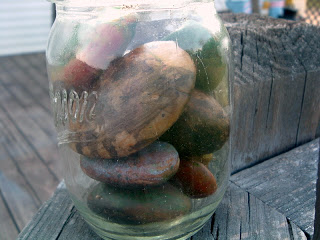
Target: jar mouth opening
130, 3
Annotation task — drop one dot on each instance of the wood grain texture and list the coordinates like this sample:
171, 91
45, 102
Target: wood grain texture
22, 77
17, 199
243, 216
58, 219
27, 161
29, 166
51, 217
277, 65
316, 235
27, 143
286, 183
35, 66
9, 228
239, 216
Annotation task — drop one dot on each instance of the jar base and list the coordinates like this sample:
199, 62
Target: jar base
180, 232
175, 229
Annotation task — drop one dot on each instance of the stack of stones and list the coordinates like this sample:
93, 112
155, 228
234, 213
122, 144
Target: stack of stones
156, 124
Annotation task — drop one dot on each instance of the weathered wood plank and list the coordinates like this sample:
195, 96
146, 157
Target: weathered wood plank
51, 217
10, 166
77, 228
286, 183
38, 61
26, 158
243, 216
32, 110
35, 67
316, 235
20, 203
29, 131
23, 78
276, 82
33, 151
240, 216
29, 158
309, 119
31, 121
37, 103
9, 229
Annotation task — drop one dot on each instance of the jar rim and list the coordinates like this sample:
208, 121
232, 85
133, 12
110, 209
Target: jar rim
174, 3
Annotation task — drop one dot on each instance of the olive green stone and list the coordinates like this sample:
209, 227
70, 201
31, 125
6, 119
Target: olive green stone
203, 127
141, 206
206, 51
66, 44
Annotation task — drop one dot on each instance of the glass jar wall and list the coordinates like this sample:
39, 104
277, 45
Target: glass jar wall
140, 93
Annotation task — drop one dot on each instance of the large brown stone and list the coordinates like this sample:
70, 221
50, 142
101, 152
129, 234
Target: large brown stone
140, 96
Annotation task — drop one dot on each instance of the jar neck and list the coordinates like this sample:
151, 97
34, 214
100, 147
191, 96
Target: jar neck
109, 9
129, 4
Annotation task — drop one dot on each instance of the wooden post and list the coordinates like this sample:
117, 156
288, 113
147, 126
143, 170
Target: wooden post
316, 235
276, 66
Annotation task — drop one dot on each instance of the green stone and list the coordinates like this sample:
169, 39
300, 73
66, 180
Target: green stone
137, 207
203, 127
66, 43
206, 51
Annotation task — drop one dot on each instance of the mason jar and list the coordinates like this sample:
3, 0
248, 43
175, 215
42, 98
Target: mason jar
141, 101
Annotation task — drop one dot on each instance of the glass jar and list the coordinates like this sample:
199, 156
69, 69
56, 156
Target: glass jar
140, 92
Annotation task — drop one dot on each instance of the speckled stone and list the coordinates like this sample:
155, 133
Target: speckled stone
140, 96
153, 165
140, 206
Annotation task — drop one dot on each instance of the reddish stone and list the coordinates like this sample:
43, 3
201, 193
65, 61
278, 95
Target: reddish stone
153, 165
109, 41
80, 75
195, 179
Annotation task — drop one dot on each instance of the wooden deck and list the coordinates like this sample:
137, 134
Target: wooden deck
28, 154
